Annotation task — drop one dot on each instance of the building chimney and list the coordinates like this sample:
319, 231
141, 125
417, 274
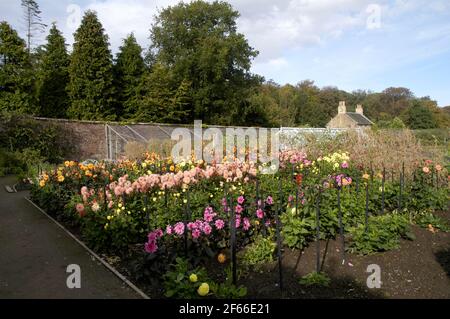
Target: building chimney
342, 108
359, 109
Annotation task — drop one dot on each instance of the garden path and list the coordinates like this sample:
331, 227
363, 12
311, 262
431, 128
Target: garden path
35, 253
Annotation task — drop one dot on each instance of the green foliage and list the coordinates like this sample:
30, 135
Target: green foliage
424, 219
177, 282
226, 289
10, 163
307, 105
112, 231
420, 117
424, 195
395, 123
54, 76
26, 144
315, 279
182, 282
20, 133
200, 44
259, 252
383, 233
296, 231
164, 99
16, 76
54, 198
128, 69
91, 89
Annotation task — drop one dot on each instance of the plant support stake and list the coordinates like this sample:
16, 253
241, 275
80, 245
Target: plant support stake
233, 241
186, 218
400, 192
341, 226
279, 242
318, 233
382, 190
367, 207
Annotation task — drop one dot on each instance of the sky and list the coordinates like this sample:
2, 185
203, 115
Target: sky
350, 44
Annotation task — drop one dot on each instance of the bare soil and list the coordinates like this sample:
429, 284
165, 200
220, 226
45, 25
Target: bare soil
418, 269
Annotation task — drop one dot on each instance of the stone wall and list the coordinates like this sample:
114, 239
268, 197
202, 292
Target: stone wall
342, 121
101, 140
87, 139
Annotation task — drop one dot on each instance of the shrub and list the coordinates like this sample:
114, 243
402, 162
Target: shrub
296, 231
258, 252
26, 143
180, 282
227, 290
315, 279
383, 233
425, 219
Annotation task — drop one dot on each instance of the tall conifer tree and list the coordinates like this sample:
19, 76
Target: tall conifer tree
16, 80
128, 71
91, 88
54, 76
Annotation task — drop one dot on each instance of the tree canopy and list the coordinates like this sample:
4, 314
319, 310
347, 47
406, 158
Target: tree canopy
196, 65
129, 68
199, 43
91, 88
54, 76
16, 77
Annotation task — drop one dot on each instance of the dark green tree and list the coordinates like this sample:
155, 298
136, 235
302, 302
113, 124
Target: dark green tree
54, 76
420, 117
128, 71
199, 43
16, 78
164, 101
91, 88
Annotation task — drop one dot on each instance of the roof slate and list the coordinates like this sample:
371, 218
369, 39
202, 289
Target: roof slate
360, 119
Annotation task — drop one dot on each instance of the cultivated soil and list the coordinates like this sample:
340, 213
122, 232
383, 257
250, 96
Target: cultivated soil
418, 269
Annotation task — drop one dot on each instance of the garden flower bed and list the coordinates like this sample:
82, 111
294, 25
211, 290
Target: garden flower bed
192, 230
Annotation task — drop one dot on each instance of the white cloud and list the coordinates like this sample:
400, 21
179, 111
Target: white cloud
297, 23
119, 18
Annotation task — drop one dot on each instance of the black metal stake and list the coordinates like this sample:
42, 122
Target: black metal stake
257, 193
279, 241
186, 218
367, 207
371, 172
357, 186
105, 200
318, 233
400, 192
233, 241
147, 213
437, 179
165, 196
382, 190
403, 172
341, 226
432, 177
